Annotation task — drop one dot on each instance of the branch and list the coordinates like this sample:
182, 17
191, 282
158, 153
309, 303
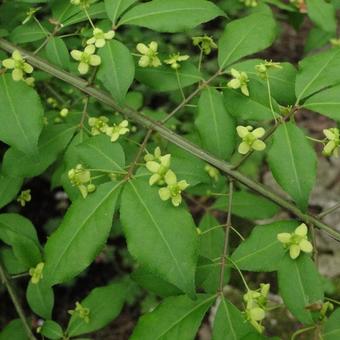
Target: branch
4, 278
170, 135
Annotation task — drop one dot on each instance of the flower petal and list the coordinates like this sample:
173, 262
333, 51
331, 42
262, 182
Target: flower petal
306, 246
243, 148
301, 230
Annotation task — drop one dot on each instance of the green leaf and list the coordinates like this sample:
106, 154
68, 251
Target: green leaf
261, 251
9, 188
81, 235
14, 330
164, 78
99, 152
331, 328
11, 262
293, 162
246, 36
27, 33
19, 232
300, 286
317, 72
254, 107
154, 283
316, 39
281, 80
51, 330
52, 142
326, 102
115, 8
229, 323
211, 242
322, 14
171, 15
63, 10
248, 205
175, 318
158, 224
95, 11
192, 170
104, 303
20, 114
57, 53
40, 298
117, 69
215, 126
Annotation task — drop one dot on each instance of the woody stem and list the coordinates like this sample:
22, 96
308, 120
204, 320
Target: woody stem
171, 136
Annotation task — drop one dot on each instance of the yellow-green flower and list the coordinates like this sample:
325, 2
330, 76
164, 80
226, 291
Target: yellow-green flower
149, 54
250, 3
240, 81
158, 165
296, 241
64, 112
98, 125
99, 37
256, 302
175, 59
262, 69
80, 177
205, 43
86, 58
30, 14
117, 130
333, 142
250, 139
19, 66
24, 197
83, 3
82, 312
212, 172
36, 273
173, 190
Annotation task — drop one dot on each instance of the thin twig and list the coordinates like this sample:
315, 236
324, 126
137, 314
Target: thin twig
12, 293
329, 211
226, 236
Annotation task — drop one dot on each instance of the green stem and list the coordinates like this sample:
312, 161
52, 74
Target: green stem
226, 235
11, 291
301, 331
169, 135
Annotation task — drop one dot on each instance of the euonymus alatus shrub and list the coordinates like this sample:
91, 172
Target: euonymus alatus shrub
152, 120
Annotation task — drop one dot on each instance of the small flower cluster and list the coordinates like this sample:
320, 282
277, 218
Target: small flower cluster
82, 312
36, 273
250, 3
81, 178
256, 302
101, 125
159, 166
205, 43
24, 197
149, 56
20, 68
262, 69
296, 241
240, 81
250, 139
88, 57
332, 142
